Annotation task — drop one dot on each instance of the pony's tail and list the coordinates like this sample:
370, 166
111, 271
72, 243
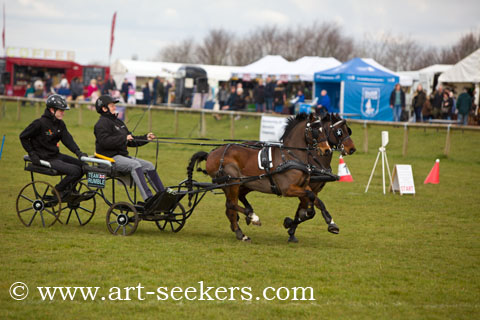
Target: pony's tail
195, 160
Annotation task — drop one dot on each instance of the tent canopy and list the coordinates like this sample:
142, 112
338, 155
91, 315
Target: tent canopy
358, 89
357, 69
466, 70
301, 69
150, 69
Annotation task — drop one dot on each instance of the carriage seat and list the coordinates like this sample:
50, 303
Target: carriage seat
113, 173
44, 168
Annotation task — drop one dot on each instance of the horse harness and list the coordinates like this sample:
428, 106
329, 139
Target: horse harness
265, 162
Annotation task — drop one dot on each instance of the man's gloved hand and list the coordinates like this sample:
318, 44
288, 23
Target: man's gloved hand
34, 158
81, 154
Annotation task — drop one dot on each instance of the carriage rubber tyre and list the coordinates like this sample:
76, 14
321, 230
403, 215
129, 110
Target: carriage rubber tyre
81, 211
176, 219
122, 219
38, 202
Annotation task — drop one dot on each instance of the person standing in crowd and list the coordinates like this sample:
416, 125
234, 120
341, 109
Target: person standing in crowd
77, 88
427, 111
279, 98
92, 87
48, 84
437, 102
160, 91
39, 92
64, 89
109, 86
124, 89
324, 104
40, 139
446, 106
269, 90
397, 102
168, 86
259, 96
156, 81
418, 101
146, 93
112, 138
222, 95
464, 105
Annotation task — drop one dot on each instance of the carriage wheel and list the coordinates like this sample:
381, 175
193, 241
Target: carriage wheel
175, 219
83, 208
38, 201
122, 219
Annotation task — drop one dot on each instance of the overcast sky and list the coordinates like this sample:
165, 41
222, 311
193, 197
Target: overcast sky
144, 26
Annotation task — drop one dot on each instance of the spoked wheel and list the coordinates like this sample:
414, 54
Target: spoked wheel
82, 205
122, 219
38, 203
175, 219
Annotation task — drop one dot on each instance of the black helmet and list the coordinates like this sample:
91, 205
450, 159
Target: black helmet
56, 101
104, 101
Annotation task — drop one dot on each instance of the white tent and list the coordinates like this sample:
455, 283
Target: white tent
405, 79
305, 67
465, 71
268, 65
144, 70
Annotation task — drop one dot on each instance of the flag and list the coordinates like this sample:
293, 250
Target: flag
112, 37
3, 32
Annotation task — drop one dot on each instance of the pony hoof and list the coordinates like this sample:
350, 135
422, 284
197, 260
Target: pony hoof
246, 239
287, 223
293, 239
333, 228
254, 219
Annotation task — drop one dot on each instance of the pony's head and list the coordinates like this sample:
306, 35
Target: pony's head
316, 136
314, 133
338, 134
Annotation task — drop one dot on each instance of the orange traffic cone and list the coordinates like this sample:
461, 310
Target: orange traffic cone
434, 175
343, 171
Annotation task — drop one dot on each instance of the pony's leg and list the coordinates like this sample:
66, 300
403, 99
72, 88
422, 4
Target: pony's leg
250, 215
231, 194
332, 227
305, 211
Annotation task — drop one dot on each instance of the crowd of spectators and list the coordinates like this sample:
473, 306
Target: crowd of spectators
442, 105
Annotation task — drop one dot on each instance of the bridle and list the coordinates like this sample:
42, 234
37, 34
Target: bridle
339, 135
314, 134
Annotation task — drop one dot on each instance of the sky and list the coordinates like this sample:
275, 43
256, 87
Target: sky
144, 27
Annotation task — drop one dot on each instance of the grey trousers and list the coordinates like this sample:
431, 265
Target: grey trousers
138, 169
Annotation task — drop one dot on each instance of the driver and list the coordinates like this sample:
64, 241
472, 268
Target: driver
113, 138
40, 140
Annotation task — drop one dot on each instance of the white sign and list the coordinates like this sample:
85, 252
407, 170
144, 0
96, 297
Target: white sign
272, 128
403, 179
36, 53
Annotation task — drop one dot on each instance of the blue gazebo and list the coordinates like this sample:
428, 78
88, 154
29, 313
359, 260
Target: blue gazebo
358, 89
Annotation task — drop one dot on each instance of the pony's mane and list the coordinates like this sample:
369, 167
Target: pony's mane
292, 122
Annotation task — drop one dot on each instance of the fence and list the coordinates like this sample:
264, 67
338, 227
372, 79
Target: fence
176, 109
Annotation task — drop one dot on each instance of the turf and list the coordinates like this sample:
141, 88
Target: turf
396, 257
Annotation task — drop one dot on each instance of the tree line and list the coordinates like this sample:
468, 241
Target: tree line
327, 39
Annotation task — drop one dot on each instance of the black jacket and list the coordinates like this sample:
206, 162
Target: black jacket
402, 98
42, 135
259, 94
111, 136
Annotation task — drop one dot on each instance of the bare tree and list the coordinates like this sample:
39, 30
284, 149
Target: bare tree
216, 47
182, 52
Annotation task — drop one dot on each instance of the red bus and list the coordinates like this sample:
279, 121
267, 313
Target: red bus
16, 73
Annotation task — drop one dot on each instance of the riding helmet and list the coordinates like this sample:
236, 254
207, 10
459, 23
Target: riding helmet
56, 101
104, 101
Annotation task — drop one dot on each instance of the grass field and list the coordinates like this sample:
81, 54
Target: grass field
396, 257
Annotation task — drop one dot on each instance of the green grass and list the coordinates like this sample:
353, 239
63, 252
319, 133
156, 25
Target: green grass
396, 257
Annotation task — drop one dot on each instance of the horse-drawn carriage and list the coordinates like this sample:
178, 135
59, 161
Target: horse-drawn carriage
39, 203
299, 167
